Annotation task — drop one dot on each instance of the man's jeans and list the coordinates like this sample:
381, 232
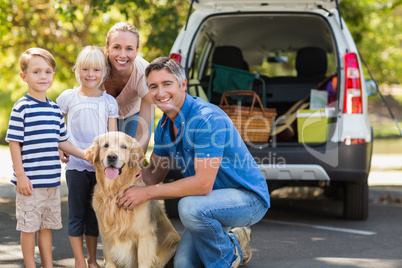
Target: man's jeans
206, 240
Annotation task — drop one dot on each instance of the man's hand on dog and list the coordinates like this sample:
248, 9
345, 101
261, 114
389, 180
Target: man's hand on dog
132, 197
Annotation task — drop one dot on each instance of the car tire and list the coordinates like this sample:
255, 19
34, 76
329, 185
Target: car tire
355, 201
171, 208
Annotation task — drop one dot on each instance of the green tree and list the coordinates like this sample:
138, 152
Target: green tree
376, 27
64, 27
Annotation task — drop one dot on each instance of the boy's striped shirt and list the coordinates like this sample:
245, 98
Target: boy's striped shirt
38, 127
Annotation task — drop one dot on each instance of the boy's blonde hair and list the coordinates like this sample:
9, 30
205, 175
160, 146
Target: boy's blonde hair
91, 57
39, 52
124, 27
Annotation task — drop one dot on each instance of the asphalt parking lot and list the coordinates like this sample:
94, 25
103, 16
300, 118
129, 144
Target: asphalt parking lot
294, 233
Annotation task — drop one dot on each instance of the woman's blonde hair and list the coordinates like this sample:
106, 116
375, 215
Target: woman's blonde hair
91, 57
124, 27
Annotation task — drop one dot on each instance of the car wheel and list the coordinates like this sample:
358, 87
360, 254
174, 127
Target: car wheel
171, 207
355, 201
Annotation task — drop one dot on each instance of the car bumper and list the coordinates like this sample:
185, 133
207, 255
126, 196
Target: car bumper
329, 162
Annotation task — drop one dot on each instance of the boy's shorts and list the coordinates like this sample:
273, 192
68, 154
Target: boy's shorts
41, 210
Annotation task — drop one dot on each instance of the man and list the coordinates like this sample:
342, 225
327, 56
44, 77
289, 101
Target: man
222, 185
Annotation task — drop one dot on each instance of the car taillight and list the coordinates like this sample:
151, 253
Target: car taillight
176, 57
349, 141
353, 90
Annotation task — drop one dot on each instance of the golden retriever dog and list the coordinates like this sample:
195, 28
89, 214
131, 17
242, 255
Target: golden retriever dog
143, 237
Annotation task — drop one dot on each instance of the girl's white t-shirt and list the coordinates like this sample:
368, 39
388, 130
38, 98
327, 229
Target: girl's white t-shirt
87, 118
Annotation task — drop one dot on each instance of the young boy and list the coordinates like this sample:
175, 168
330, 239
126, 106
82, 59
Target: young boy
35, 133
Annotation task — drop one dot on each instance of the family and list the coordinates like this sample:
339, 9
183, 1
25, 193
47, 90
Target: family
118, 91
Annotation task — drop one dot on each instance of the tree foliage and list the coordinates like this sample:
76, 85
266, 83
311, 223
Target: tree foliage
376, 27
65, 27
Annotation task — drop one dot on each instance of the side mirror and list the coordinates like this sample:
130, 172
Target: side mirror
278, 59
371, 87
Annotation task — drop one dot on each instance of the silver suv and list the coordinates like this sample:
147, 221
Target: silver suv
296, 52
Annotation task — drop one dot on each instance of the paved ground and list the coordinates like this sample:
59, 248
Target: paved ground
385, 183
301, 233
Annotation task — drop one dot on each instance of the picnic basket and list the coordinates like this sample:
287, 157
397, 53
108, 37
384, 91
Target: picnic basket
254, 123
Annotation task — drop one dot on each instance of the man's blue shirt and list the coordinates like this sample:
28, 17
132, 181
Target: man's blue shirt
205, 131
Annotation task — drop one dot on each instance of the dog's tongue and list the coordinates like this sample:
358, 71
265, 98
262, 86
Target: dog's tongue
111, 172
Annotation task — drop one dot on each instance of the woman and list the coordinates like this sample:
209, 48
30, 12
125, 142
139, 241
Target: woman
127, 83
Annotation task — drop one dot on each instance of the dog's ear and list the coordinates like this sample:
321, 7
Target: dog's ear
92, 153
137, 157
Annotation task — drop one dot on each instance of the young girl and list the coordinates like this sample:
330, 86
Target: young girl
90, 112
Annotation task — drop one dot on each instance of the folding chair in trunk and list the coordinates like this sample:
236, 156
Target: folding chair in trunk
227, 79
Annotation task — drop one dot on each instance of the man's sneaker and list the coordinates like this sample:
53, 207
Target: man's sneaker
243, 235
